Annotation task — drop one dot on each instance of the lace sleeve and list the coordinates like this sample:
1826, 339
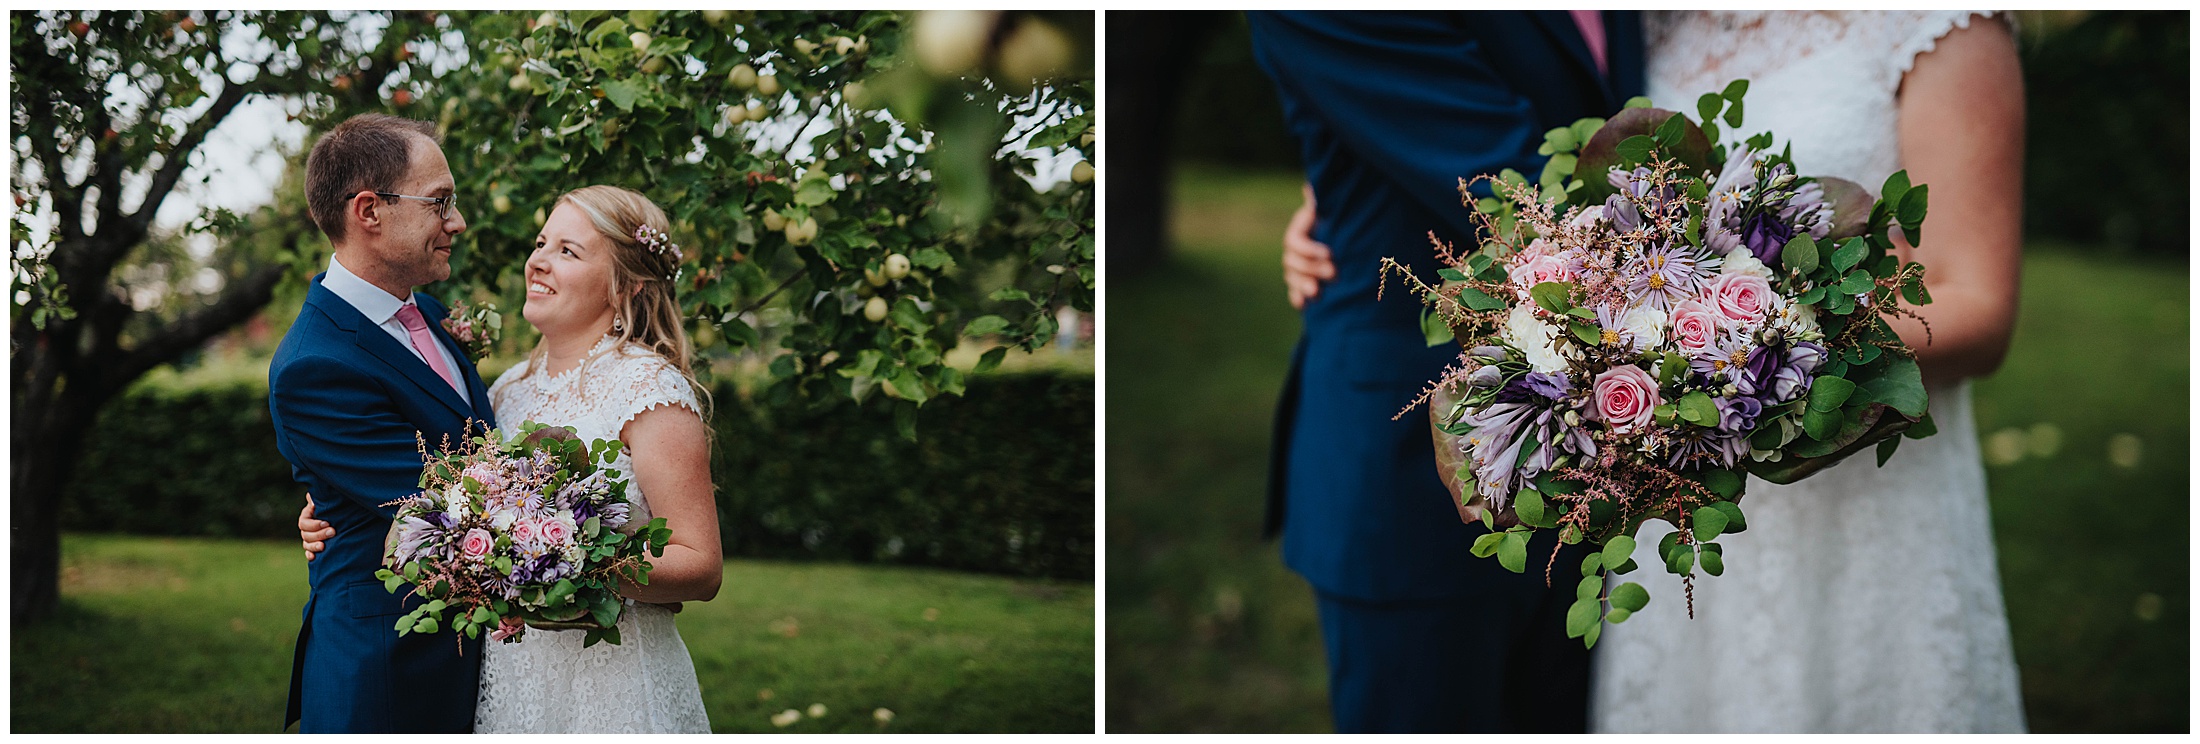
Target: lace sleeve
648, 382
1918, 32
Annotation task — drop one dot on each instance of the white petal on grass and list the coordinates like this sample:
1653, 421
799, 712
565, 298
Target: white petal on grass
2046, 440
2124, 450
817, 710
883, 716
786, 718
2007, 446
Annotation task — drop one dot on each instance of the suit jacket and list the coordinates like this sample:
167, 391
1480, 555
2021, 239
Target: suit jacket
347, 401
1391, 109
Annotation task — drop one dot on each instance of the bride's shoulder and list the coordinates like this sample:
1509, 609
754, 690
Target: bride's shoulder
637, 370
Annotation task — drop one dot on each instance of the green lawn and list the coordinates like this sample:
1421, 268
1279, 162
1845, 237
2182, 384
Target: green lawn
1208, 632
195, 635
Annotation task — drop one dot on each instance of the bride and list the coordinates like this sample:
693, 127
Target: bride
612, 364
1862, 599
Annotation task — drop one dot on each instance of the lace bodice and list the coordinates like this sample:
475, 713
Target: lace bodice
548, 683
1863, 599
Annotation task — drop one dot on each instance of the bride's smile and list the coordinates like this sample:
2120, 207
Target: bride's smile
569, 278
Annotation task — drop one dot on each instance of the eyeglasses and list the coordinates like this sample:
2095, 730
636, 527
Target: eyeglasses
445, 205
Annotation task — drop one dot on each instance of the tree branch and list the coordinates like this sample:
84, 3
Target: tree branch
179, 156
243, 297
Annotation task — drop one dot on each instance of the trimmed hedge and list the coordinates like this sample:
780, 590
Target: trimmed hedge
1000, 481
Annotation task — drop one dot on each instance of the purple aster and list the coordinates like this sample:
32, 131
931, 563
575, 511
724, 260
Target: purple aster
1662, 275
1793, 378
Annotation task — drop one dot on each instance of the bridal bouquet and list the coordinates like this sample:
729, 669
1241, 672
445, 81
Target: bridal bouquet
511, 534
1658, 316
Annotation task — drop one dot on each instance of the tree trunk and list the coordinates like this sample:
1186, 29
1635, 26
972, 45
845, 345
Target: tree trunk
48, 440
1149, 53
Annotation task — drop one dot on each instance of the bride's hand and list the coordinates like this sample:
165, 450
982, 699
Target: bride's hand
312, 531
1306, 261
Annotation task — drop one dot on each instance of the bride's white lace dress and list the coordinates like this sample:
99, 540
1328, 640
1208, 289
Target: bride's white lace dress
548, 683
1864, 599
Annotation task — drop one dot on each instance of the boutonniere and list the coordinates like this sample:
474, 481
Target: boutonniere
476, 327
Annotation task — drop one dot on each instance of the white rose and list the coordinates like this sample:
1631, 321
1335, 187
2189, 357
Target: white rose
1741, 261
1534, 338
1646, 326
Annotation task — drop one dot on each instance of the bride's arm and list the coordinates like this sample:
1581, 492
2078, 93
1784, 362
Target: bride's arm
671, 451
1962, 132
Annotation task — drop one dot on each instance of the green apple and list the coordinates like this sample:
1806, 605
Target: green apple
1036, 50
716, 18
655, 64
774, 222
742, 77
897, 266
501, 203
520, 82
767, 84
640, 39
1081, 172
874, 309
952, 43
736, 115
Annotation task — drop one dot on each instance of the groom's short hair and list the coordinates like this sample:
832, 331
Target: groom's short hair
368, 152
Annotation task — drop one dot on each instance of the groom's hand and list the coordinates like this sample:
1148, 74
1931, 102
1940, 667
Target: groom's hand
312, 531
1305, 260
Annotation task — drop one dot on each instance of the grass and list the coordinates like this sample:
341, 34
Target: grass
195, 635
1207, 631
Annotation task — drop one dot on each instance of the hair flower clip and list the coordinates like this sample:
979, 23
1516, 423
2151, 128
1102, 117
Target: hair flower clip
658, 242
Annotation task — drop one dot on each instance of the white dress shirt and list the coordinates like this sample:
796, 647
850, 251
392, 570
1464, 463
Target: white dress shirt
381, 309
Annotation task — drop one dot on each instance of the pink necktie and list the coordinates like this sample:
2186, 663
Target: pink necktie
423, 341
1592, 31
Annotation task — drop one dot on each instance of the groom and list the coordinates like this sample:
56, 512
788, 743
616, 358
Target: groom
364, 371
1391, 110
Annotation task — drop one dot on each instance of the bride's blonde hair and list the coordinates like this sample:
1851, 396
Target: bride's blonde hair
641, 279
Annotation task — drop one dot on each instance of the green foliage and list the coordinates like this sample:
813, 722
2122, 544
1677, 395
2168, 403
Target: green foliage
761, 134
1001, 483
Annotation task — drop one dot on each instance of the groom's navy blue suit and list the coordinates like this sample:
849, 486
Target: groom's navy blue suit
1391, 110
347, 400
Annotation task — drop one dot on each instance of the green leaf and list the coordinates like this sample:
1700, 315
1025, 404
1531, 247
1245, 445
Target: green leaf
1512, 552
1897, 185
1486, 545
1635, 150
1850, 252
1714, 562
1682, 561
1735, 90
621, 94
1637, 102
1856, 283
990, 360
1800, 255
1451, 275
1589, 639
1827, 392
1734, 115
1617, 550
1529, 506
985, 325
1630, 596
1476, 299
1707, 107
1899, 386
1725, 483
1733, 512
483, 615
1581, 617
1618, 615
1562, 139
1588, 333
1433, 329
392, 583
1555, 297
1886, 449
1923, 428
1912, 210
1822, 425
1589, 588
1697, 408
1709, 522
1670, 133
1590, 563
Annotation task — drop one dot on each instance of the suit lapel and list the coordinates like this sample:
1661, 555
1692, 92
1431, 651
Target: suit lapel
373, 340
1560, 25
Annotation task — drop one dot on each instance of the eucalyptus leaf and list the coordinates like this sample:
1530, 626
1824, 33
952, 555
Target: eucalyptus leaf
1708, 521
1630, 597
1617, 550
1800, 255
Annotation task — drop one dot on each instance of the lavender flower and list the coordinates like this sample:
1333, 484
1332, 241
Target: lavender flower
1662, 275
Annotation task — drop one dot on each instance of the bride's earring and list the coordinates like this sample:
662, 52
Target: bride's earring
617, 325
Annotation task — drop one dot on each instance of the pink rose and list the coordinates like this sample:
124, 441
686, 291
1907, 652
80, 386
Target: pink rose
1694, 325
477, 543
1624, 396
1538, 269
526, 529
557, 531
1742, 298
